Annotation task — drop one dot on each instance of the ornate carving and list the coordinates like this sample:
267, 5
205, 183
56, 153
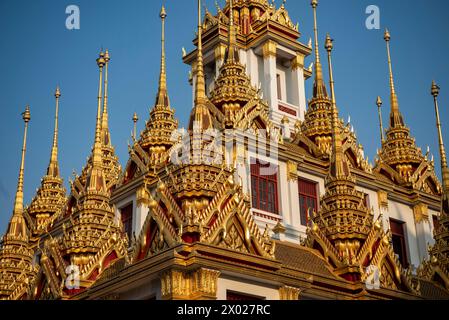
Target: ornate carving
382, 197
421, 213
298, 62
292, 171
289, 293
198, 284
269, 49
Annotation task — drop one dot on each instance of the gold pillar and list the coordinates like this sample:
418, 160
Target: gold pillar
289, 293
200, 284
269, 49
297, 62
382, 198
292, 170
421, 213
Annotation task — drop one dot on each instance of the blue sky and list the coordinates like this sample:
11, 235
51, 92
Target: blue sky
37, 52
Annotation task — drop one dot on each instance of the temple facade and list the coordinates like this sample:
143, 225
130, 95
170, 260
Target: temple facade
265, 195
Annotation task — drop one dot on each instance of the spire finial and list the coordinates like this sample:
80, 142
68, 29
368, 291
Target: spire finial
435, 91
18, 202
379, 111
162, 96
319, 89
97, 145
339, 166
200, 118
53, 167
232, 36
200, 87
395, 115
135, 119
105, 115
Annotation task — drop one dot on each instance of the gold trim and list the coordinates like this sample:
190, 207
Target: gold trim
289, 293
298, 62
269, 49
292, 170
421, 213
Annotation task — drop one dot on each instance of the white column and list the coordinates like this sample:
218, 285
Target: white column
253, 68
298, 91
292, 176
269, 60
141, 213
293, 226
220, 52
243, 58
423, 229
283, 194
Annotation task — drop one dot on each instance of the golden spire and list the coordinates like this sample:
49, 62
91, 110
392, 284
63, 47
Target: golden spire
379, 111
435, 91
319, 88
232, 35
97, 144
53, 167
200, 117
395, 114
105, 136
162, 96
158, 130
18, 203
339, 166
200, 86
135, 119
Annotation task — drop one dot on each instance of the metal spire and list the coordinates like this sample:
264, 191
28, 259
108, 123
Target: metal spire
232, 35
162, 95
200, 117
53, 167
135, 119
105, 136
395, 114
97, 144
319, 88
200, 87
435, 91
379, 111
339, 166
18, 202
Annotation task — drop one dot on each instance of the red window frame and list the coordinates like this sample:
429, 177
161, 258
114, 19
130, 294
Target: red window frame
126, 215
264, 188
399, 239
308, 194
